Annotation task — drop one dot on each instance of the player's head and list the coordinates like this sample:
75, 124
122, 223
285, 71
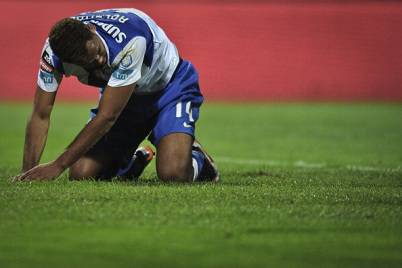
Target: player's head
75, 42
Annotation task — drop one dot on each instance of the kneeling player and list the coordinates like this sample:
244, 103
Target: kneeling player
146, 91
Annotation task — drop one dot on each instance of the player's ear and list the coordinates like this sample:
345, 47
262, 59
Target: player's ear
91, 27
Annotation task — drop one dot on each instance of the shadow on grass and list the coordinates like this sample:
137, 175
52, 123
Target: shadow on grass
231, 178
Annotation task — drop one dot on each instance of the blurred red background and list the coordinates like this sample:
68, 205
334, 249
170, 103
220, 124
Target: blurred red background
244, 50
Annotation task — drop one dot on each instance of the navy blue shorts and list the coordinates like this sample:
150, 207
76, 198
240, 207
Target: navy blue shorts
175, 109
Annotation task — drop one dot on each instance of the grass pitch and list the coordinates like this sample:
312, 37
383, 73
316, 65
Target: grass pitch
301, 185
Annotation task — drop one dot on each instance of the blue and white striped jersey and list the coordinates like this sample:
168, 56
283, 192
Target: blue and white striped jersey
138, 52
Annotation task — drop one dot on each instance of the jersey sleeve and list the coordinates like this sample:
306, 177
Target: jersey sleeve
129, 69
49, 74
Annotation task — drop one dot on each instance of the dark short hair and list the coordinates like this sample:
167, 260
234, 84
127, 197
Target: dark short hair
68, 38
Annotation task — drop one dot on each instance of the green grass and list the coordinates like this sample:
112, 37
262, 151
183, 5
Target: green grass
339, 207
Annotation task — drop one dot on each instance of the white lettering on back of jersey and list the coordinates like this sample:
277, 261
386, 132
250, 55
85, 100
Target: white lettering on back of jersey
118, 17
112, 30
121, 37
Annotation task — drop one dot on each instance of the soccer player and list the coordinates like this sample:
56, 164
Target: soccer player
146, 89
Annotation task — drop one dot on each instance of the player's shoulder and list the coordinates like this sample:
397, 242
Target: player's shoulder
49, 60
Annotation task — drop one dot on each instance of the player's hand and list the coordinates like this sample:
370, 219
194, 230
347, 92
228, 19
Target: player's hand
42, 172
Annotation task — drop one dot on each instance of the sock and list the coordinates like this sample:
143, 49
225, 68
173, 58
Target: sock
198, 163
122, 171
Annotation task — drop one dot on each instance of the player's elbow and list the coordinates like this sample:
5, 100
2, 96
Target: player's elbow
38, 119
42, 114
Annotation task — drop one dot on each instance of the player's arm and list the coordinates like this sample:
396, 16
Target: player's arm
111, 105
37, 128
49, 79
115, 97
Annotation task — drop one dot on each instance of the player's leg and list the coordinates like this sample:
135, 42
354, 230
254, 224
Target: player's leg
178, 159
93, 166
101, 165
113, 155
174, 160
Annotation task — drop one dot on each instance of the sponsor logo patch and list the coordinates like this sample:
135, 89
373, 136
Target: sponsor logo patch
46, 57
127, 61
46, 77
122, 74
45, 66
46, 62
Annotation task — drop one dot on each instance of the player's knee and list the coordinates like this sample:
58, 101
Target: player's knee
178, 171
82, 171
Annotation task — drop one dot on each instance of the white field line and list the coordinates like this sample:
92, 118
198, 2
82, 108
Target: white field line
300, 163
